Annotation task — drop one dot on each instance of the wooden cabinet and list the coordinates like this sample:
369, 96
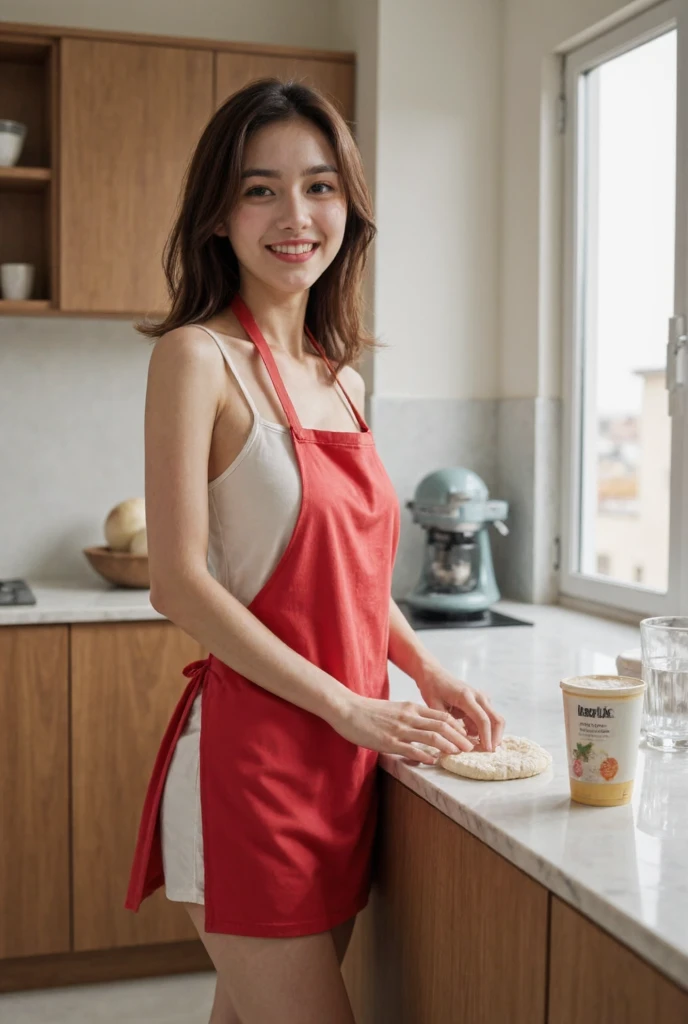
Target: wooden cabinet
453, 932
131, 115
112, 120
333, 77
593, 977
126, 681
34, 791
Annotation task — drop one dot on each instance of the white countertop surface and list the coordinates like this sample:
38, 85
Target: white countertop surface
78, 601
626, 868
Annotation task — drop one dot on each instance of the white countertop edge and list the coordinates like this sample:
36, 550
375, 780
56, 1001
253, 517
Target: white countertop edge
643, 940
66, 601
66, 616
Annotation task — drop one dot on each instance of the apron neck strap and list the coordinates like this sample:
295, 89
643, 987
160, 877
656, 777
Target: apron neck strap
247, 321
318, 347
245, 318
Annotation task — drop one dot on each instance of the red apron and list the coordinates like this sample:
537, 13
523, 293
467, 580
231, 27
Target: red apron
288, 805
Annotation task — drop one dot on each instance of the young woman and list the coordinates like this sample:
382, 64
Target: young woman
272, 530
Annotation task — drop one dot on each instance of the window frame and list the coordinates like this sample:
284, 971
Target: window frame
573, 583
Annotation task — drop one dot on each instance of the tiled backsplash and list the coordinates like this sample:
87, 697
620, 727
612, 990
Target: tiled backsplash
71, 411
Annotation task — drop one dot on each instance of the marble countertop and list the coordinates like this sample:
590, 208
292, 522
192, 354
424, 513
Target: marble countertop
79, 602
623, 867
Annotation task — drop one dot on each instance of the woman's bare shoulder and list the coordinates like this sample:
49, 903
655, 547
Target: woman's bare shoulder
187, 344
354, 383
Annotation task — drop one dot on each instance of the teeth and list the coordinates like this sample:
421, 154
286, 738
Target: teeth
293, 249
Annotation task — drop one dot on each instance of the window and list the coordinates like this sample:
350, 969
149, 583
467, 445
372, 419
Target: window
604, 564
625, 281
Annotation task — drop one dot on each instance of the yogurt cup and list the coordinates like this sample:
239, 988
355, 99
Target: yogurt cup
602, 718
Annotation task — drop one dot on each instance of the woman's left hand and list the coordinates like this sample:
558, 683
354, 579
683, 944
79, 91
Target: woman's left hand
442, 691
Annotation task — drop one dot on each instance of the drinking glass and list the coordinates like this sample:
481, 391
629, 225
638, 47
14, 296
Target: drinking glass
664, 644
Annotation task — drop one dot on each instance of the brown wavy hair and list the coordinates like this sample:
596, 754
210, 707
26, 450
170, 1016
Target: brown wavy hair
201, 268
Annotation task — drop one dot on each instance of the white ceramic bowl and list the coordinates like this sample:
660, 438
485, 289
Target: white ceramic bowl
12, 135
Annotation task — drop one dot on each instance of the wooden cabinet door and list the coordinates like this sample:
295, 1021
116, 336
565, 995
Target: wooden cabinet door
130, 116
334, 78
34, 791
593, 977
126, 681
453, 931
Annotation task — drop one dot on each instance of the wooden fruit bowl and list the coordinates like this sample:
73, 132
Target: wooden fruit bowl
120, 567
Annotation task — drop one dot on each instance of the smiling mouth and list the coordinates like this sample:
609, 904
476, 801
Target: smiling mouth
294, 253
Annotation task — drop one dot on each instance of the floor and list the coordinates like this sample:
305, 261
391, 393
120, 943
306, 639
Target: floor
180, 999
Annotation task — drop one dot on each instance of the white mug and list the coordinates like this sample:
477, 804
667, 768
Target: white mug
16, 280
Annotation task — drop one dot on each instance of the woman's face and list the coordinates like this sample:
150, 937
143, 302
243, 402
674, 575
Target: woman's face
290, 193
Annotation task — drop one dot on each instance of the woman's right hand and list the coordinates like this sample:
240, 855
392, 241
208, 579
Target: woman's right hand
392, 726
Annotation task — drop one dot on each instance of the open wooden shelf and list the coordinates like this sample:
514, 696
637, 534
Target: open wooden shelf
26, 307
25, 179
27, 189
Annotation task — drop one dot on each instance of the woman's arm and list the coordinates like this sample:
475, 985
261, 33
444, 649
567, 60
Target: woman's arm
405, 649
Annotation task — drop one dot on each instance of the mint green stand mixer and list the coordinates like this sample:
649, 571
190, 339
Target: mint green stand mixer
458, 578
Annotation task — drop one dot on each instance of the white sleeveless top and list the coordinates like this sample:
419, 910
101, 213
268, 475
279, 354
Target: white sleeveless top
252, 510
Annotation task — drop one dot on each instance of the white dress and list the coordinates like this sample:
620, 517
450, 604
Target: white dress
252, 510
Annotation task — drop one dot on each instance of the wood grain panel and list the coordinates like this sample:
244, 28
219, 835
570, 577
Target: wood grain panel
454, 933
593, 977
126, 681
34, 791
103, 965
131, 115
334, 78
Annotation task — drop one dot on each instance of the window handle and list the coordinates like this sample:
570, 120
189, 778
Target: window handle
677, 364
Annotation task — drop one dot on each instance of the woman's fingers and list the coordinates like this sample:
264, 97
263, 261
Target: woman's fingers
496, 719
473, 717
414, 754
442, 721
480, 717
440, 740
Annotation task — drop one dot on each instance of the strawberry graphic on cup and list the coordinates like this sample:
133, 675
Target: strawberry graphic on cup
580, 754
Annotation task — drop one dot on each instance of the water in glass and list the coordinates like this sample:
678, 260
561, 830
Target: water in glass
665, 671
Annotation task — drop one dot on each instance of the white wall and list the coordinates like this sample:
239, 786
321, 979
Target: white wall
292, 23
438, 142
530, 313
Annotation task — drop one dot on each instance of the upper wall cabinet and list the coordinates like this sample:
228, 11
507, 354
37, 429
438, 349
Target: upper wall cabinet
111, 121
333, 77
130, 117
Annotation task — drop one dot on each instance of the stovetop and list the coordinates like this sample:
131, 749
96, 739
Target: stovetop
16, 591
442, 620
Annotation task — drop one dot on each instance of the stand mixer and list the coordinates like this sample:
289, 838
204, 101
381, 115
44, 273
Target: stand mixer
457, 579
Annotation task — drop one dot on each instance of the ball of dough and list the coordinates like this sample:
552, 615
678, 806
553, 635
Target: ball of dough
123, 521
139, 543
514, 758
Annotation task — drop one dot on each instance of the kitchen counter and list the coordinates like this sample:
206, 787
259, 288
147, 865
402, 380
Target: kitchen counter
79, 602
623, 867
